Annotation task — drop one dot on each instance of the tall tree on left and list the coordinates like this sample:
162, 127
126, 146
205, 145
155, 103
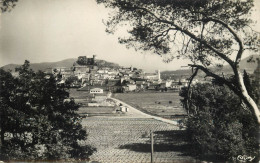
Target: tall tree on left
38, 120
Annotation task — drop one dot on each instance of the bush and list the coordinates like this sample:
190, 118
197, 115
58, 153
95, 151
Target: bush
218, 125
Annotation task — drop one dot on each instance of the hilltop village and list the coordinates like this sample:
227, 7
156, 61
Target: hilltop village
85, 74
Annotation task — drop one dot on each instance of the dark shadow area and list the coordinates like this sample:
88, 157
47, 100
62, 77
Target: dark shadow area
164, 141
171, 136
146, 147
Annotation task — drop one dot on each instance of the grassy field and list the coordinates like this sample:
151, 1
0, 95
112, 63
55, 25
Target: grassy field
94, 109
78, 94
80, 97
166, 105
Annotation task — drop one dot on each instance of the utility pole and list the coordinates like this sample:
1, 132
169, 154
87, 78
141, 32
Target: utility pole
151, 133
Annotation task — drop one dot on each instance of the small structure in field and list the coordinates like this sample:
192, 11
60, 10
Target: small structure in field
123, 109
96, 91
131, 87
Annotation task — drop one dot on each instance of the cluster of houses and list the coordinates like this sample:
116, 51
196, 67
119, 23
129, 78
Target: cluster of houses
91, 77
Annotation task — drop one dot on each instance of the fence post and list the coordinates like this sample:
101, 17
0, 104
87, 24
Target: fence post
151, 133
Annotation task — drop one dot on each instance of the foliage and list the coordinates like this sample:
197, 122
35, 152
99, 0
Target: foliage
219, 125
38, 121
72, 80
7, 5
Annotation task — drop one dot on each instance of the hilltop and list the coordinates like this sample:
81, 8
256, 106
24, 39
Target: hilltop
248, 66
64, 63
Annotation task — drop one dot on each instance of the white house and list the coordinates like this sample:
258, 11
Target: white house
168, 83
123, 108
96, 90
131, 87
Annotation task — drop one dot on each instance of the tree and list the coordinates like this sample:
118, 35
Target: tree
38, 120
7, 5
219, 127
179, 83
71, 81
208, 32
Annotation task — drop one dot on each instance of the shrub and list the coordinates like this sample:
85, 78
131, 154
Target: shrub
218, 124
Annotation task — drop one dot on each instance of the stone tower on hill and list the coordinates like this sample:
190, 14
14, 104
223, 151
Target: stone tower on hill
83, 60
84, 66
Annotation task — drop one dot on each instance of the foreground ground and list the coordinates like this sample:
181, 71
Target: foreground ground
122, 139
127, 138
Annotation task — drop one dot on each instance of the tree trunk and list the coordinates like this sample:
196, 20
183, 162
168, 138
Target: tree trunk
2, 139
251, 103
245, 96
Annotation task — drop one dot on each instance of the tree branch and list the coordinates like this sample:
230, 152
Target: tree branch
164, 33
211, 74
192, 77
237, 38
188, 89
220, 54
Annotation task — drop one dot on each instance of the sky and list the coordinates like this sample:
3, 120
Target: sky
54, 30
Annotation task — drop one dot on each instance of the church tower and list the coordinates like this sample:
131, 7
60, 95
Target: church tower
159, 75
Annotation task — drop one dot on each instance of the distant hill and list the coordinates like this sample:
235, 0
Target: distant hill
249, 66
185, 73
64, 63
176, 74
103, 63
